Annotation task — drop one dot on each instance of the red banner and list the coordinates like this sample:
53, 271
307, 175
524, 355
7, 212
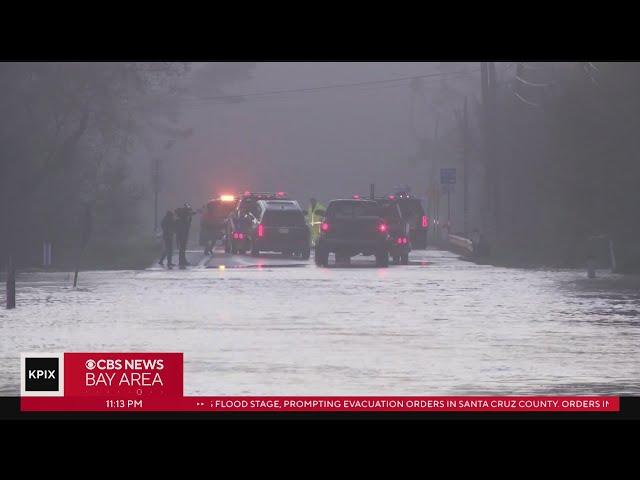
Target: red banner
322, 404
128, 375
101, 382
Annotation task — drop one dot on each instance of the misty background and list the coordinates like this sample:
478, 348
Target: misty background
548, 149
324, 143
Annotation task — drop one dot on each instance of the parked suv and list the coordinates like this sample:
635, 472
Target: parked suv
239, 221
413, 212
279, 226
353, 227
399, 229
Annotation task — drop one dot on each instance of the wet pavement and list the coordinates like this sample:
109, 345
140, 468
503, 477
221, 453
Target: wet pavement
274, 325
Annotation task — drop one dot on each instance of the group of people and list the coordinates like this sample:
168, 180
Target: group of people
176, 223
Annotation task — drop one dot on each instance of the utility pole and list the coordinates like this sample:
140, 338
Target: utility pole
465, 166
497, 206
155, 179
484, 87
488, 80
11, 269
448, 208
86, 222
435, 186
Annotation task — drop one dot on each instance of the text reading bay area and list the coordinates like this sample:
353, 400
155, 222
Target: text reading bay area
118, 372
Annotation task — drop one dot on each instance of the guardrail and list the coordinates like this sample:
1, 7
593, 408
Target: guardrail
460, 243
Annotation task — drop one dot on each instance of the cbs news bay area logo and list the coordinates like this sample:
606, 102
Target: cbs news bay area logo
42, 374
140, 372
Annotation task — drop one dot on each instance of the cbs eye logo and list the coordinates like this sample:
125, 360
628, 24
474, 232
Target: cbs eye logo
42, 374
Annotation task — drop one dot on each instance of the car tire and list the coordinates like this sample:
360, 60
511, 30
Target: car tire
382, 259
396, 259
343, 259
404, 259
254, 250
305, 254
322, 257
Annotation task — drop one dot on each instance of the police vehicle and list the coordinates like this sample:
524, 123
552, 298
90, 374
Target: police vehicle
353, 227
279, 226
213, 221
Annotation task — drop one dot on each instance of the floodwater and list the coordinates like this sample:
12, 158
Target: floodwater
441, 326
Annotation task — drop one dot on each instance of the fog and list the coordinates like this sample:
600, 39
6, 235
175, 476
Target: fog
545, 153
325, 143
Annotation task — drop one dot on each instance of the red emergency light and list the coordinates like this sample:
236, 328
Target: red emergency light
382, 228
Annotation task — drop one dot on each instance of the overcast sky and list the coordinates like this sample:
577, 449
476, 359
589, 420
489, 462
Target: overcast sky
326, 144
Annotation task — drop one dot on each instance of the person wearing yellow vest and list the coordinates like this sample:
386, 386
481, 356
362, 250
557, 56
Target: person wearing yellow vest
315, 214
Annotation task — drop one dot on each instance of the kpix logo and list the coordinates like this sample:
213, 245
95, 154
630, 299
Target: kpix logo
42, 374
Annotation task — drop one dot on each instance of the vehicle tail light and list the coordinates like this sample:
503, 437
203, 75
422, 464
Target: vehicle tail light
324, 227
356, 197
382, 228
392, 197
399, 241
247, 193
260, 230
238, 235
280, 194
425, 221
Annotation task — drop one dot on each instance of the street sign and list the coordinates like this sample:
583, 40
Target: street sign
448, 176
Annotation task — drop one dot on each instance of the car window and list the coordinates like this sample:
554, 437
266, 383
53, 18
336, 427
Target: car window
249, 206
217, 209
283, 218
389, 210
411, 209
353, 209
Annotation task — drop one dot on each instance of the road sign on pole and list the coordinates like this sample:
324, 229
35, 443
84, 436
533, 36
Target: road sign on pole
448, 180
448, 176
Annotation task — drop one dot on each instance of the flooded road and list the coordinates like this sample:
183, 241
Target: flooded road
273, 326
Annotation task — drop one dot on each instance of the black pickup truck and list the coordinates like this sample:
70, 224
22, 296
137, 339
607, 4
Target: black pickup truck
353, 227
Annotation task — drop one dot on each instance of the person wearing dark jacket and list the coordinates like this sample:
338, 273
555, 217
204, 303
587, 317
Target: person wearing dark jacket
168, 230
183, 224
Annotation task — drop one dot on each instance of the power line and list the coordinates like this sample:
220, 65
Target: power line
328, 87
278, 98
530, 67
524, 100
531, 84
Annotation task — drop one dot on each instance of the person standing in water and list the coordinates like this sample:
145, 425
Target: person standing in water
168, 230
